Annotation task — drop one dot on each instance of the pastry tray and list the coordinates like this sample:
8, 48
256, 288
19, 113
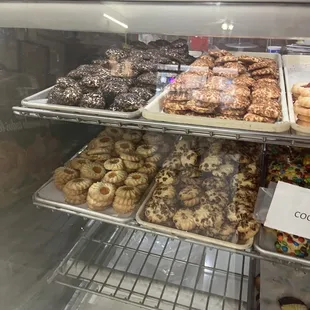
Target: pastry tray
154, 111
39, 101
264, 244
48, 195
184, 234
296, 69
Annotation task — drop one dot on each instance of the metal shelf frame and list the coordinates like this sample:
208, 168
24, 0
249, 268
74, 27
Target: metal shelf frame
166, 127
251, 253
158, 272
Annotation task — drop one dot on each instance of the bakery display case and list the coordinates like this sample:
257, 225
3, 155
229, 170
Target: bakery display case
138, 138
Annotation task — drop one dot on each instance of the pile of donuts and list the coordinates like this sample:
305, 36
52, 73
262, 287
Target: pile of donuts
221, 85
114, 170
301, 98
209, 188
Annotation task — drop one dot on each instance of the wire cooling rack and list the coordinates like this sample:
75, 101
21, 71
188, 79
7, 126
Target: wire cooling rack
154, 271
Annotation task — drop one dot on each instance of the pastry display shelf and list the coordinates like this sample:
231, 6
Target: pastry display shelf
133, 225
156, 272
166, 127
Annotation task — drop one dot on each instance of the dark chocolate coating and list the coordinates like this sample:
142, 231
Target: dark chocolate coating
101, 62
116, 54
144, 66
138, 45
144, 93
92, 100
147, 78
127, 102
71, 95
64, 82
91, 81
78, 74
55, 95
114, 86
179, 43
162, 43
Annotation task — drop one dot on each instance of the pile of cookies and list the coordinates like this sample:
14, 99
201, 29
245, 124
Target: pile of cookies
301, 98
124, 80
209, 188
114, 170
225, 86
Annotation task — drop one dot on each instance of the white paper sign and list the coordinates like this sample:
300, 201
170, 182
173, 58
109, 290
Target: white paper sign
290, 210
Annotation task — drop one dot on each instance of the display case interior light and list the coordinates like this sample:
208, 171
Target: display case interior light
115, 20
226, 26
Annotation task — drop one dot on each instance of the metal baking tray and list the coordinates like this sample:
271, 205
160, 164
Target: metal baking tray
39, 101
264, 244
154, 111
184, 234
296, 70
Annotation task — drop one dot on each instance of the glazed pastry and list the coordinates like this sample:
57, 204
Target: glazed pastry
137, 178
115, 177
93, 171
128, 192
184, 219
114, 164
101, 191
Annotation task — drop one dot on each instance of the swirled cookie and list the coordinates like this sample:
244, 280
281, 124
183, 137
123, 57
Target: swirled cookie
77, 186
76, 199
63, 175
133, 165
115, 133
146, 150
133, 135
137, 178
128, 192
148, 168
123, 146
101, 142
77, 163
191, 202
115, 177
92, 171
102, 191
97, 205
131, 156
184, 219
114, 164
